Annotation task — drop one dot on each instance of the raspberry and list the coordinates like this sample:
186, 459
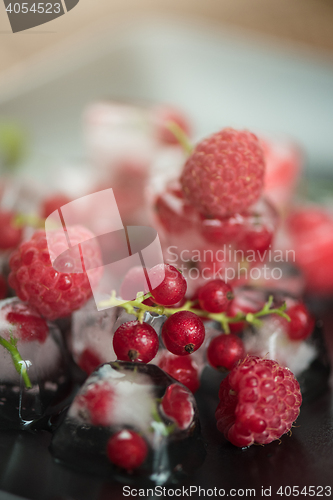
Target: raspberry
177, 405
259, 401
162, 116
225, 173
183, 333
53, 203
224, 351
28, 324
10, 235
215, 296
134, 341
3, 288
98, 402
89, 360
173, 287
54, 294
181, 368
127, 449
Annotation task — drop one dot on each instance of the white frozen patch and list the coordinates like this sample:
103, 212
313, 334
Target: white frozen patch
271, 341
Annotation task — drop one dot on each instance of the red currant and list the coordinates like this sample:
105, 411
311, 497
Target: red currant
10, 235
53, 203
224, 351
177, 405
28, 324
222, 231
181, 368
162, 116
301, 323
215, 296
171, 289
183, 333
135, 341
244, 304
257, 239
127, 449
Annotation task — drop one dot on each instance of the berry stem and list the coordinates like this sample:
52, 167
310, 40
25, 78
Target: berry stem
136, 308
180, 135
19, 363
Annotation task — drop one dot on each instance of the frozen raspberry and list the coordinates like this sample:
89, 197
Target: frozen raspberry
127, 449
28, 325
174, 213
98, 402
89, 360
54, 294
177, 405
215, 296
225, 173
181, 368
259, 401
53, 203
134, 341
183, 333
3, 288
225, 351
172, 288
162, 116
311, 234
10, 234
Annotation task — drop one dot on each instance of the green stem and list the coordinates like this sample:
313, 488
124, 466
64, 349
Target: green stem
136, 308
19, 363
180, 135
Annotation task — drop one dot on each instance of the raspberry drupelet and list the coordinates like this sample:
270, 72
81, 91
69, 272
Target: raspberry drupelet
259, 401
225, 173
54, 294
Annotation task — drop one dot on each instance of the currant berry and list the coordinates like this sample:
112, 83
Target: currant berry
183, 333
177, 406
89, 360
10, 234
127, 449
53, 203
164, 114
181, 368
171, 289
215, 296
257, 240
224, 351
301, 323
28, 325
135, 341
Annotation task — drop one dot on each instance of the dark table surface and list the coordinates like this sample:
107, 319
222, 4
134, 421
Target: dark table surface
28, 470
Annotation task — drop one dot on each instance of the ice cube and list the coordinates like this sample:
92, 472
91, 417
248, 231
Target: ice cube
129, 396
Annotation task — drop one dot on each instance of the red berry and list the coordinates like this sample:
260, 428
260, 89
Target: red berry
183, 333
28, 324
127, 449
171, 289
10, 234
3, 288
162, 116
98, 401
259, 401
177, 405
89, 360
215, 296
181, 368
134, 341
53, 203
258, 239
224, 351
244, 302
301, 323
54, 294
134, 281
225, 173
222, 231
174, 213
